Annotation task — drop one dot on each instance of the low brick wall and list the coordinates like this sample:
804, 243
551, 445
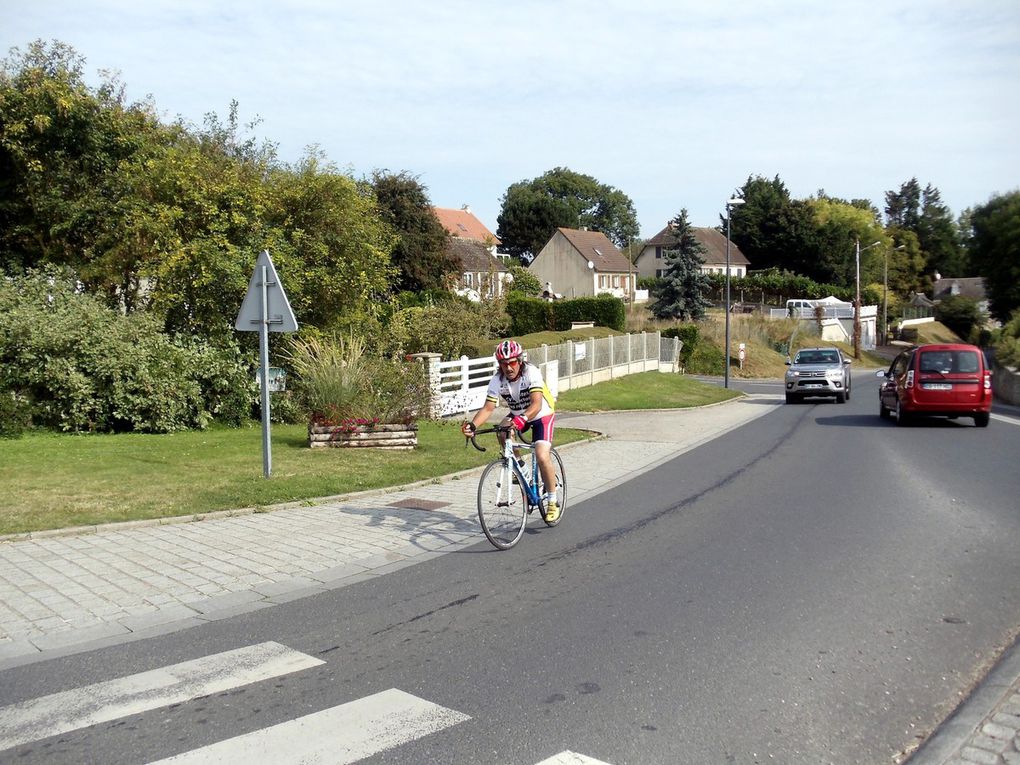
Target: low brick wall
1006, 385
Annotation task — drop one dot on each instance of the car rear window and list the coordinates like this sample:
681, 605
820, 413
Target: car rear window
949, 361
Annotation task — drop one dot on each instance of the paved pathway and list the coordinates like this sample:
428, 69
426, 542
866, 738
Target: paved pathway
68, 591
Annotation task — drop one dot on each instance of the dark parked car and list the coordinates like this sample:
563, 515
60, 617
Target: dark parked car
946, 379
818, 372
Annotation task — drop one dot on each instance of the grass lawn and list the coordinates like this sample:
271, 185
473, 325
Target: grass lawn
647, 390
51, 480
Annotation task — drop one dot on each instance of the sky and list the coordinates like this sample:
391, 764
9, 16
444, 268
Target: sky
676, 103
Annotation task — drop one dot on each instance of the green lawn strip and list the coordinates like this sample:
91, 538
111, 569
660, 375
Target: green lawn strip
56, 480
51, 480
647, 390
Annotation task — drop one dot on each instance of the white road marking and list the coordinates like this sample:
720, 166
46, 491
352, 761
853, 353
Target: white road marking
102, 702
571, 758
335, 736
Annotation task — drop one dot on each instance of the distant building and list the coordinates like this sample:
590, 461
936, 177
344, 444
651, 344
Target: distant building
463, 224
651, 261
578, 263
968, 287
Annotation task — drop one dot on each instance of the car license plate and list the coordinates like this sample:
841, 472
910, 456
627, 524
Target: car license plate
812, 385
938, 386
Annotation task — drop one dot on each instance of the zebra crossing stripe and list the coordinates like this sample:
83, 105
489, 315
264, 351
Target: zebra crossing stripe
335, 736
571, 758
102, 702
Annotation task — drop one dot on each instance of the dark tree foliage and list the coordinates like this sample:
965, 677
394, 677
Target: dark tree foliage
960, 314
923, 213
422, 254
681, 294
903, 207
532, 211
994, 246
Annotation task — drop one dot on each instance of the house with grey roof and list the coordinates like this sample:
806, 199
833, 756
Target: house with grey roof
579, 263
482, 275
651, 261
968, 287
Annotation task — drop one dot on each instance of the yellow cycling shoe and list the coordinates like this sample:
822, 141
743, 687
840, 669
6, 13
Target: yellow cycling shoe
552, 510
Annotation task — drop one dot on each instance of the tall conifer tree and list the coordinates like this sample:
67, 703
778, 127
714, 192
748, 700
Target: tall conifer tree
682, 294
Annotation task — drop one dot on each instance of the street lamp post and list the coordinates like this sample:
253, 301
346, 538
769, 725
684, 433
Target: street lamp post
857, 298
729, 204
885, 292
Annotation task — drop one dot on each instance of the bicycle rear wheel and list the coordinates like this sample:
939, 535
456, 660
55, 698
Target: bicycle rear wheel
502, 506
561, 488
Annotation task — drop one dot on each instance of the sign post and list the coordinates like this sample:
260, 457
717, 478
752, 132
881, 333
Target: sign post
265, 308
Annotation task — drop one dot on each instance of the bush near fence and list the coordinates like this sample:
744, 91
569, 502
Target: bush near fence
532, 315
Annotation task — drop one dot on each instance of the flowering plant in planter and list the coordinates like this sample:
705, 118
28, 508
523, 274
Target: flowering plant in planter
340, 384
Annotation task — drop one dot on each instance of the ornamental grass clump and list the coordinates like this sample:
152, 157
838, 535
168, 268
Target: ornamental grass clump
338, 383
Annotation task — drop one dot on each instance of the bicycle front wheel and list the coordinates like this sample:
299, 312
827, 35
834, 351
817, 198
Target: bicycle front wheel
561, 488
502, 506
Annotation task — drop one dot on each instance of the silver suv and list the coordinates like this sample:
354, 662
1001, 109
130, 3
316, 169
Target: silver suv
818, 372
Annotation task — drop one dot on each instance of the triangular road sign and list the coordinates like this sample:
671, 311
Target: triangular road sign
278, 311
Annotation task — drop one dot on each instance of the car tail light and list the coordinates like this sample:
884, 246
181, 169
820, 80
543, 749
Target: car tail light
988, 380
910, 378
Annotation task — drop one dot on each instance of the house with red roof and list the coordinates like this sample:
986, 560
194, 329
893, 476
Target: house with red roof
483, 275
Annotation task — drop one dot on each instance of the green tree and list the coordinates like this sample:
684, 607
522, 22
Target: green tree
421, 254
524, 281
532, 211
960, 314
328, 243
682, 291
923, 213
60, 146
994, 246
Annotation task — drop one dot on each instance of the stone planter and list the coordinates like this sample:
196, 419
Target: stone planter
399, 437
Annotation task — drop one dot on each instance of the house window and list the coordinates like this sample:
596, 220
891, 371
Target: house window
469, 280
603, 281
658, 273
658, 254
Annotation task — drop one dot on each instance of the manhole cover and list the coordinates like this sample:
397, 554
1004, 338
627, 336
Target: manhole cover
419, 504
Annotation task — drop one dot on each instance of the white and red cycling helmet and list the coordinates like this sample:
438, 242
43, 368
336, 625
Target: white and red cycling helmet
509, 349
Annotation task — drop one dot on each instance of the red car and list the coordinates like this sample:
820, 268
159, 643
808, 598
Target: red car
944, 379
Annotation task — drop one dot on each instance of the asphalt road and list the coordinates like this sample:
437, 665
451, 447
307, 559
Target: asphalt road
816, 586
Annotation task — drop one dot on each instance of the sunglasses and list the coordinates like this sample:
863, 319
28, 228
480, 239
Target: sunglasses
510, 362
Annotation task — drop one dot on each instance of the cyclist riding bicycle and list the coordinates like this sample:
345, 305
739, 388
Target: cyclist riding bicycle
521, 387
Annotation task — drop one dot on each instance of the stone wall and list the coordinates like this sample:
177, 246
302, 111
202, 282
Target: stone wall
1006, 384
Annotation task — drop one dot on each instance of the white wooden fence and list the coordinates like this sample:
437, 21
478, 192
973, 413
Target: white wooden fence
461, 384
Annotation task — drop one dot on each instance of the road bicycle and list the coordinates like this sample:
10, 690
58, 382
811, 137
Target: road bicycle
510, 489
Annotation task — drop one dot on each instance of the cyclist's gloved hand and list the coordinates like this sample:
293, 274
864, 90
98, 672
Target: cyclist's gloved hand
519, 423
468, 428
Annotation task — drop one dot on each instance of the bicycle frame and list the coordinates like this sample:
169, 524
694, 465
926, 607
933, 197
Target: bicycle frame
529, 482
504, 504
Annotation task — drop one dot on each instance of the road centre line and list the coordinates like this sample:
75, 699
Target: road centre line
70, 710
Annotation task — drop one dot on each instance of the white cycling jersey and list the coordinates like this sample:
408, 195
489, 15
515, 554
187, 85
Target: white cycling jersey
517, 394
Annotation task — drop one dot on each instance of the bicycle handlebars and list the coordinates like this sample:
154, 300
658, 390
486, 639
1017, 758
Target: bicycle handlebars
493, 429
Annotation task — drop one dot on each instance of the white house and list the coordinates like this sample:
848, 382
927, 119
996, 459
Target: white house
651, 261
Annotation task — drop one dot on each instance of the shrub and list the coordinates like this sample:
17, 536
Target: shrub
961, 314
15, 415
529, 315
338, 381
1007, 344
447, 329
84, 367
706, 359
689, 335
605, 310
